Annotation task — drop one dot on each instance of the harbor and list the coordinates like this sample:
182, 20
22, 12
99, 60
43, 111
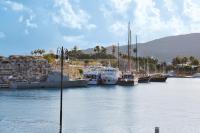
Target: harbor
101, 66
53, 70
104, 109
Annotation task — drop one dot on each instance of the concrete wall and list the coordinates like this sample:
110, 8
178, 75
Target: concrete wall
66, 84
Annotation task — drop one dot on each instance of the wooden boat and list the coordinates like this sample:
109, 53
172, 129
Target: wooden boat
144, 79
128, 79
158, 78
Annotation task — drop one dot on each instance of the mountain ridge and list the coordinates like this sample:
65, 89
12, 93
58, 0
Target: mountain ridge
166, 48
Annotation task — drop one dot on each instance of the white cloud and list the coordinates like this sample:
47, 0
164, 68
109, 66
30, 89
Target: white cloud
2, 35
28, 15
29, 22
121, 6
71, 17
170, 5
111, 8
91, 26
147, 16
106, 12
176, 25
148, 20
15, 6
73, 38
118, 28
191, 9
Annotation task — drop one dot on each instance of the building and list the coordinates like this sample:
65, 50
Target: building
23, 69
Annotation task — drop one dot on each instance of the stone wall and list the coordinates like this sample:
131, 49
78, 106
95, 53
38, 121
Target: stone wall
23, 69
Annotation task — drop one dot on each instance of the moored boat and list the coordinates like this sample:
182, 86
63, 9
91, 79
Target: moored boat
144, 79
92, 76
158, 78
109, 75
128, 79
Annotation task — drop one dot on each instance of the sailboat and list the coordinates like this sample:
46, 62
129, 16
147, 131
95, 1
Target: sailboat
128, 78
158, 77
143, 78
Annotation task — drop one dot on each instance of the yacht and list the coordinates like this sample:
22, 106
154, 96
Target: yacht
109, 75
92, 75
128, 79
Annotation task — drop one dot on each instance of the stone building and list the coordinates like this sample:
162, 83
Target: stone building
23, 69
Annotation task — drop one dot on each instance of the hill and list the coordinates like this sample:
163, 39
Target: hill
166, 48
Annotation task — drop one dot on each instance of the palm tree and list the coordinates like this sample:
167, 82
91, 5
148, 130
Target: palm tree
113, 50
103, 50
97, 50
75, 48
176, 61
38, 52
184, 60
195, 62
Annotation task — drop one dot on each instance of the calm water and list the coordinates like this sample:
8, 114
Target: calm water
173, 106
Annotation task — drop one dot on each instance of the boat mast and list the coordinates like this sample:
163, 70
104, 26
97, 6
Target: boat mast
130, 52
136, 53
129, 41
118, 56
147, 66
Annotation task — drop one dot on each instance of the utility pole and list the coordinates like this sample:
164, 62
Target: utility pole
61, 88
63, 54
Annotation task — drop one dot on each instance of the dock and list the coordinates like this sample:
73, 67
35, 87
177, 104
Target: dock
34, 85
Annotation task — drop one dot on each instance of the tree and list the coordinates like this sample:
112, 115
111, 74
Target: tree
75, 48
184, 60
191, 58
195, 62
113, 50
103, 50
97, 49
176, 61
38, 52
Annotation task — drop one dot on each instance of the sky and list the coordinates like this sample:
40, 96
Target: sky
26, 25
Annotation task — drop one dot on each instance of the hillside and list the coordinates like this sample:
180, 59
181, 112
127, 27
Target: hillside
167, 48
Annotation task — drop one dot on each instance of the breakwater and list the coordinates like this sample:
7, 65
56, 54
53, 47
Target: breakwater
66, 84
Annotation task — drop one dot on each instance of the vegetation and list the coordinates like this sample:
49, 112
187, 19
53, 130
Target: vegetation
50, 57
181, 65
38, 52
99, 53
185, 60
